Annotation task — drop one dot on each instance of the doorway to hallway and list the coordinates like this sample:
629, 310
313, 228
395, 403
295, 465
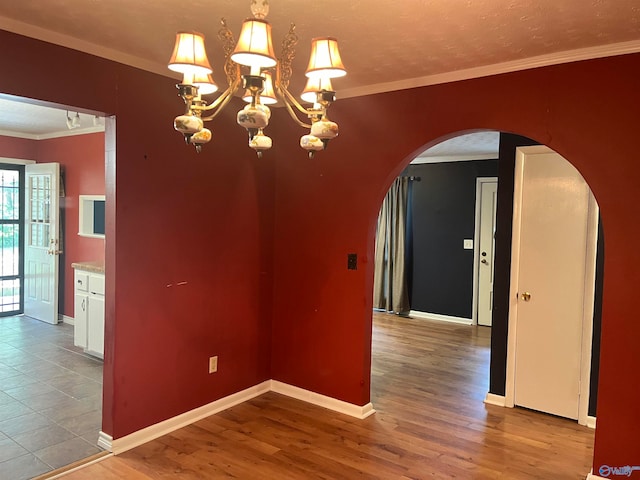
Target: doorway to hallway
423, 369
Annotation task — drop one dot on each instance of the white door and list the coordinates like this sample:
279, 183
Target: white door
488, 204
42, 241
547, 312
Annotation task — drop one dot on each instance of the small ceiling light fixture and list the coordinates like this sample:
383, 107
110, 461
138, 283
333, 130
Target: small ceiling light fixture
266, 83
73, 122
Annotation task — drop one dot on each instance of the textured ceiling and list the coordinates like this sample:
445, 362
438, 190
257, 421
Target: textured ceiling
385, 45
381, 42
38, 122
472, 146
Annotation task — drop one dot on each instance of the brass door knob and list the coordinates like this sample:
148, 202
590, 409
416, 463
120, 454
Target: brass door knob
526, 296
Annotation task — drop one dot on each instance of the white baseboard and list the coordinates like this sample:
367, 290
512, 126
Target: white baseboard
67, 320
591, 476
322, 400
501, 401
105, 441
440, 318
498, 400
121, 445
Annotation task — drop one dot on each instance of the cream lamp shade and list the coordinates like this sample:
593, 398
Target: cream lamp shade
205, 84
189, 55
325, 59
254, 47
267, 96
313, 86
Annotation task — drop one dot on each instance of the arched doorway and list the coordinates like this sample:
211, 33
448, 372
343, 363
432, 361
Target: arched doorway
428, 380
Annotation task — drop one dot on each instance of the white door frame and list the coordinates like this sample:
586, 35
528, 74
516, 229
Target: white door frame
476, 246
589, 294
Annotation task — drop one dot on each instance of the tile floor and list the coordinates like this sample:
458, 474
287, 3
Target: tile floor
50, 398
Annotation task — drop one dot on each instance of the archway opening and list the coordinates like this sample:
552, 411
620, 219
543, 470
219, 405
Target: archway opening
424, 360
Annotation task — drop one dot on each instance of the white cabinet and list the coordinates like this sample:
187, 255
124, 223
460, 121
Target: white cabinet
89, 312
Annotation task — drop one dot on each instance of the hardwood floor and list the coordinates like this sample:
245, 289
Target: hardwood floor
429, 382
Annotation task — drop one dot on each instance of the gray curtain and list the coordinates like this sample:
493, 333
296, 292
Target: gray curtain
390, 283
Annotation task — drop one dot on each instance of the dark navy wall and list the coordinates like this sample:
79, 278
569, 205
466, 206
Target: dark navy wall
443, 206
502, 266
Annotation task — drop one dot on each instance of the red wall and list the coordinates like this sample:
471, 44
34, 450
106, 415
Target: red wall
327, 207
81, 157
188, 243
22, 148
251, 237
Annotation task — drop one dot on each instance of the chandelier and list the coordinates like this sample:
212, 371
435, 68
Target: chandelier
266, 83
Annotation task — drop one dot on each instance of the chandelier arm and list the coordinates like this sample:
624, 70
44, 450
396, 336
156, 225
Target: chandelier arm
220, 102
293, 115
290, 99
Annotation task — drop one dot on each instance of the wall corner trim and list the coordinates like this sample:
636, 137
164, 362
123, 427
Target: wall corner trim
121, 445
105, 441
497, 400
591, 422
440, 318
360, 412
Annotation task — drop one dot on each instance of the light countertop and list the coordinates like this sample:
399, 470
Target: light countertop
95, 267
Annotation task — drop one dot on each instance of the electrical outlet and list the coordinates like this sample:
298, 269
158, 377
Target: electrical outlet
213, 364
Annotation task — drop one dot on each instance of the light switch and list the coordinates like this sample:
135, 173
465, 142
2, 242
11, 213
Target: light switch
468, 243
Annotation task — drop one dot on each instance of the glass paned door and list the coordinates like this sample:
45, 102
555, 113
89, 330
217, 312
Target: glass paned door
42, 245
11, 252
40, 205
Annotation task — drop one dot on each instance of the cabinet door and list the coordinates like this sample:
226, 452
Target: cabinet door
95, 338
80, 315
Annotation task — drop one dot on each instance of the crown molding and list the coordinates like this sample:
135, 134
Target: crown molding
557, 58
71, 133
27, 136
62, 133
73, 43
454, 158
